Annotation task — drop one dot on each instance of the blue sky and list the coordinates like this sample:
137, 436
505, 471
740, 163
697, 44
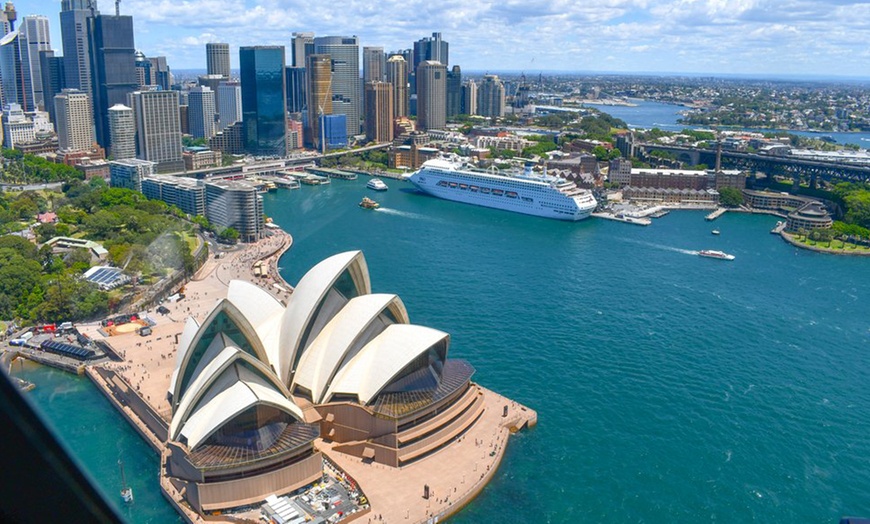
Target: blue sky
794, 37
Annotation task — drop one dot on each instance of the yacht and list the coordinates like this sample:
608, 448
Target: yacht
377, 184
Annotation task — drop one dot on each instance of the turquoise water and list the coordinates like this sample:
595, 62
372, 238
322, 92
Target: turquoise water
648, 114
669, 388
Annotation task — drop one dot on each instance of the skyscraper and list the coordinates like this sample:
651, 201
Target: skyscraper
345, 77
264, 106
431, 49
51, 69
454, 91
144, 75
74, 16
161, 72
379, 111
217, 57
75, 123
201, 112
303, 45
469, 98
35, 38
229, 104
397, 75
158, 128
295, 80
15, 86
431, 95
319, 74
374, 64
122, 130
113, 70
491, 97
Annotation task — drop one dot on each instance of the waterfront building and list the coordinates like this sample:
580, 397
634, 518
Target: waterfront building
75, 124
412, 156
35, 38
256, 383
196, 158
264, 105
669, 178
295, 80
397, 75
431, 95
17, 128
129, 173
201, 112
187, 194
620, 171
344, 52
158, 129
319, 73
235, 204
491, 97
230, 140
51, 69
775, 201
379, 111
229, 104
702, 198
454, 91
122, 132
729, 178
303, 45
469, 98
217, 58
374, 64
334, 131
112, 55
810, 216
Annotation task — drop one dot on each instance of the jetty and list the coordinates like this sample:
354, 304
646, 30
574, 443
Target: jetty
716, 214
332, 173
642, 221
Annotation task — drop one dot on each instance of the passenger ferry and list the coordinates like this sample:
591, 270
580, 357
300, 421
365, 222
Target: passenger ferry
710, 253
377, 184
527, 193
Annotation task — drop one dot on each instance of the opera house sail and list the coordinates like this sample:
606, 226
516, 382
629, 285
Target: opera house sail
257, 385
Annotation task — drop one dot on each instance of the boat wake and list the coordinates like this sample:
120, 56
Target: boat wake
660, 246
396, 212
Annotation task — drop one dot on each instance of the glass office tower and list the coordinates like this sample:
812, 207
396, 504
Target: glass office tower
264, 106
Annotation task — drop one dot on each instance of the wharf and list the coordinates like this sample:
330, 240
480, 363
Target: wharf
332, 173
622, 218
716, 214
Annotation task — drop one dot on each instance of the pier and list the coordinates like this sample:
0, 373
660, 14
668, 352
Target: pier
332, 173
622, 218
716, 214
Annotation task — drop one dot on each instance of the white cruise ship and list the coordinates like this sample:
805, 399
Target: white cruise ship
528, 193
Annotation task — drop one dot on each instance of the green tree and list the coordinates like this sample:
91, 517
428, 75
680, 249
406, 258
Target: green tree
229, 234
730, 197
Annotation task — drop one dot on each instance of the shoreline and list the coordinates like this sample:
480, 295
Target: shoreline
788, 237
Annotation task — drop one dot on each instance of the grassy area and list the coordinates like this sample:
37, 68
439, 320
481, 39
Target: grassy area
834, 244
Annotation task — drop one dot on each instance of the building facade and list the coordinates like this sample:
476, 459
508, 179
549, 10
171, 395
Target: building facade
454, 91
187, 194
129, 173
201, 112
158, 129
217, 59
319, 73
264, 106
235, 204
397, 75
379, 111
17, 128
113, 69
295, 80
229, 104
344, 52
469, 98
491, 97
122, 131
75, 124
431, 95
36, 38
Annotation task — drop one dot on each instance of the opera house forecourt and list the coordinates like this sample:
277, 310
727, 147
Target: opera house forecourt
258, 388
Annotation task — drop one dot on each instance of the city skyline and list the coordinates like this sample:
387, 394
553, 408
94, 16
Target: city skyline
748, 37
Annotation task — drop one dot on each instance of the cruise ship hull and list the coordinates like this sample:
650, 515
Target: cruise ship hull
536, 200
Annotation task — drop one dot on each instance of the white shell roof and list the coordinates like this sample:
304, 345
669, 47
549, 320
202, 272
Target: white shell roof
307, 296
191, 326
263, 312
320, 361
374, 367
246, 391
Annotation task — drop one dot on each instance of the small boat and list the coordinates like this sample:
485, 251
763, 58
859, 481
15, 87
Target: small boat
368, 203
126, 491
709, 253
715, 231
377, 184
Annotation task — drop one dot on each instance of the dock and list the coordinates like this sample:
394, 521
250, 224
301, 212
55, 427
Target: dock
623, 218
716, 214
332, 173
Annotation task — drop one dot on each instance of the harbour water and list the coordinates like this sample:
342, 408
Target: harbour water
669, 387
648, 114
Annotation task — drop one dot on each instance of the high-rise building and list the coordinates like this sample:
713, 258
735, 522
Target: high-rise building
235, 204
51, 69
217, 57
295, 80
344, 52
122, 130
17, 128
379, 111
454, 92
162, 74
264, 106
35, 38
431, 95
113, 68
144, 74
75, 123
201, 112
158, 129
431, 49
334, 131
187, 194
319, 73
129, 173
74, 23
229, 104
15, 85
469, 98
491, 97
397, 75
303, 45
374, 64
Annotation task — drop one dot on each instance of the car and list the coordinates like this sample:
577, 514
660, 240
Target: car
163, 310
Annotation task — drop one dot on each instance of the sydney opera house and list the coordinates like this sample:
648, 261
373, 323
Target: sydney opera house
257, 384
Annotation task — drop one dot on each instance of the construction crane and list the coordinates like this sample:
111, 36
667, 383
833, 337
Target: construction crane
320, 114
117, 7
11, 16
